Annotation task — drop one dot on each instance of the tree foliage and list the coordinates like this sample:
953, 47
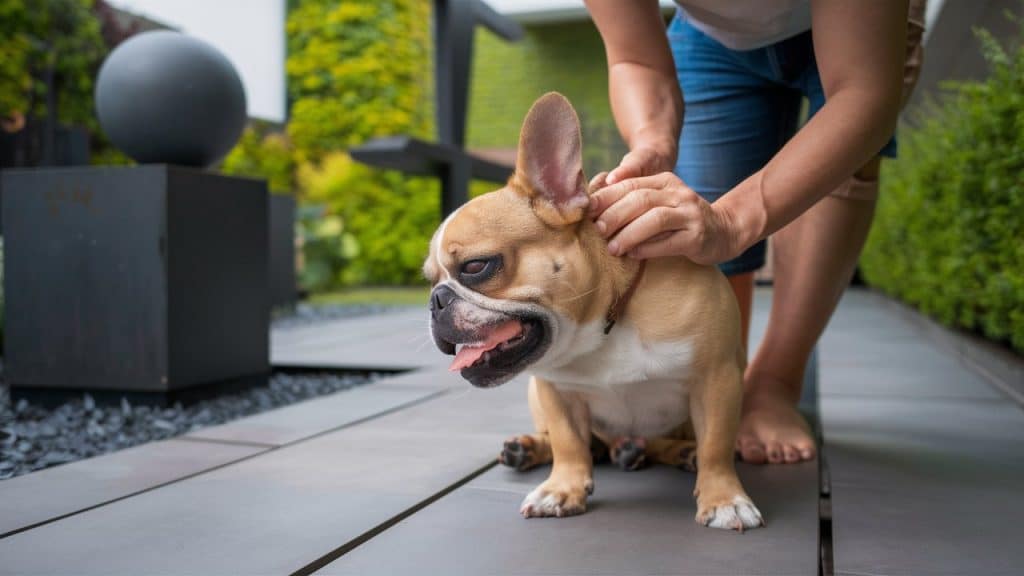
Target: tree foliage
263, 153
62, 36
949, 233
356, 70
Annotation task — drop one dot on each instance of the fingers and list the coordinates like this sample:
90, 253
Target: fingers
650, 224
633, 164
597, 182
601, 199
672, 244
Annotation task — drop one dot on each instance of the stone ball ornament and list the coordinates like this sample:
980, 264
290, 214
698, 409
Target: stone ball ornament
164, 97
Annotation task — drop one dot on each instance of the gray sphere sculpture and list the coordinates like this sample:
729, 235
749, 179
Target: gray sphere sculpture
164, 97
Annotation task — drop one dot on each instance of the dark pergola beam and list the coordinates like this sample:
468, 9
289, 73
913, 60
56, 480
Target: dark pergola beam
454, 24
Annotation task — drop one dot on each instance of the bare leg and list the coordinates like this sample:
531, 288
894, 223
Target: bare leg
815, 257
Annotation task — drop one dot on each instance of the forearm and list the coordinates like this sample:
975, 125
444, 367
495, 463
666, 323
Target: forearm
647, 105
860, 47
643, 90
843, 136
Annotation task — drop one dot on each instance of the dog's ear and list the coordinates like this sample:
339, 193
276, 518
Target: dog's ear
549, 163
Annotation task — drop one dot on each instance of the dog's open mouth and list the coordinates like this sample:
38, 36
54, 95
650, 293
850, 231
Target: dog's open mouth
504, 346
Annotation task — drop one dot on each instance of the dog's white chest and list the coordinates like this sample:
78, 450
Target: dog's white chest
632, 388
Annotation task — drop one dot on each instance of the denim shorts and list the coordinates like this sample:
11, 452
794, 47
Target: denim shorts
741, 108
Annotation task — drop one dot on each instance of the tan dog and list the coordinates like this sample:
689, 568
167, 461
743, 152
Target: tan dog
630, 353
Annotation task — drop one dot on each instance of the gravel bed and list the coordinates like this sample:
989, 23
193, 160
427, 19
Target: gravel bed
33, 437
304, 314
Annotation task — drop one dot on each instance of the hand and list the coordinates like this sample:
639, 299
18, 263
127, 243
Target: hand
661, 216
644, 160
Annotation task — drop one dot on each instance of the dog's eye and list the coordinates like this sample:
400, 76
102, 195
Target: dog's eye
479, 270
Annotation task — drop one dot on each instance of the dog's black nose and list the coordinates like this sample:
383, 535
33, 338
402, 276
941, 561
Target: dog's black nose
441, 298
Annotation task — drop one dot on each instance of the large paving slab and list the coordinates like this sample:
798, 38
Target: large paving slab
318, 415
870, 350
277, 512
395, 340
925, 487
637, 523
41, 496
926, 463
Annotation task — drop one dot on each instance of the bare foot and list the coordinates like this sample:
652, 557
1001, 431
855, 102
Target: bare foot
772, 429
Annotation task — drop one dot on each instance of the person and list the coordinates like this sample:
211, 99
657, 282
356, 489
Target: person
711, 180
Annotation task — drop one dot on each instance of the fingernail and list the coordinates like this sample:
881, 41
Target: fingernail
601, 227
613, 248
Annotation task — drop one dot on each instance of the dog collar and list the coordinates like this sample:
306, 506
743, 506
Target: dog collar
620, 303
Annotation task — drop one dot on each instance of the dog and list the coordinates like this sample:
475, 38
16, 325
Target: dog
645, 357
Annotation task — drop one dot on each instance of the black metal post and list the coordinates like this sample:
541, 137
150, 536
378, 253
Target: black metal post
454, 24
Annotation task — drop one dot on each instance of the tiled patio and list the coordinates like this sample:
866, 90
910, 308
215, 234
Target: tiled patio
923, 474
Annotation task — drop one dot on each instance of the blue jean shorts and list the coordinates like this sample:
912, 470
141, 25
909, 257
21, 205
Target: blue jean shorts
741, 108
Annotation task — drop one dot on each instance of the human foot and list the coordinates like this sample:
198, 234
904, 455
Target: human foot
772, 430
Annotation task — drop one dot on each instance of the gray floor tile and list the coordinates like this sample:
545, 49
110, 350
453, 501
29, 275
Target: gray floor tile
279, 511
925, 486
317, 415
939, 380
40, 496
637, 523
398, 340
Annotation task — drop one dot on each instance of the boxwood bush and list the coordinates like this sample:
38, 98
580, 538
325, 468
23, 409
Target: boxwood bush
948, 237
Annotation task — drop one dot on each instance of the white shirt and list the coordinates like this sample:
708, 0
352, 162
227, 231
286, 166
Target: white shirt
748, 24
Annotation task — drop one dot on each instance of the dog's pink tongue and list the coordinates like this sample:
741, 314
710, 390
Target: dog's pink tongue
470, 353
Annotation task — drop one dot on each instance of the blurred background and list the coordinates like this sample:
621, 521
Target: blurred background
323, 76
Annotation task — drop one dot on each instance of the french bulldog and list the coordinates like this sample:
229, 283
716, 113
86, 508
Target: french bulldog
645, 357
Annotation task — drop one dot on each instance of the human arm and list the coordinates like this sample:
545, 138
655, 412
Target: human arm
860, 48
642, 87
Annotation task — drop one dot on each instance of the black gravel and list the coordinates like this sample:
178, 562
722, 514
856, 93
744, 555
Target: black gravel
303, 314
33, 437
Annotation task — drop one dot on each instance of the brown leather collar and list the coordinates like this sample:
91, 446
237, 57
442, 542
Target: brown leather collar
622, 300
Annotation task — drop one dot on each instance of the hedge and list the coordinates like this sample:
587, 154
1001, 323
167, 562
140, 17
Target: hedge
948, 236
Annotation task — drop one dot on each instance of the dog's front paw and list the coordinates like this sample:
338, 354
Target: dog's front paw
557, 498
737, 514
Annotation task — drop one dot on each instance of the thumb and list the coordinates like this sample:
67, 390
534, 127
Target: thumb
632, 166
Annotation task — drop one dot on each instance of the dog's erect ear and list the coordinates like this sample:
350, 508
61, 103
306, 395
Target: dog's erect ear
549, 164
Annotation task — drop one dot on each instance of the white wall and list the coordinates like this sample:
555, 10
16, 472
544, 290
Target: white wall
249, 32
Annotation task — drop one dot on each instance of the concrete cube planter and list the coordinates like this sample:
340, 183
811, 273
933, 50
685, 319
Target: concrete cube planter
148, 279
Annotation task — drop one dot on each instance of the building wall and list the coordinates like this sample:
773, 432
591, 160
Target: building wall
567, 57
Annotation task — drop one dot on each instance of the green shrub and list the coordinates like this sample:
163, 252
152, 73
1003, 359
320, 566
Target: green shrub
62, 35
388, 218
262, 153
357, 69
949, 233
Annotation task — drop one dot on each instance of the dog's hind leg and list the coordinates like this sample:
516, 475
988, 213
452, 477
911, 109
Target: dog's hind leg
675, 452
526, 451
633, 453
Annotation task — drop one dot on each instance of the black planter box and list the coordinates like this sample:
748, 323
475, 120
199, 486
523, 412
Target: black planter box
282, 250
147, 279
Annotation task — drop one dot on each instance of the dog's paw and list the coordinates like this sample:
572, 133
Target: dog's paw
738, 515
628, 453
519, 452
688, 458
557, 498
